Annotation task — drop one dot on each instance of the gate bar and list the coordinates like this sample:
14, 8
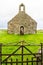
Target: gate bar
0, 54
22, 53
41, 53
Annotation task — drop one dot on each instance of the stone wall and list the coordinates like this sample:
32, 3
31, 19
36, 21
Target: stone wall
15, 28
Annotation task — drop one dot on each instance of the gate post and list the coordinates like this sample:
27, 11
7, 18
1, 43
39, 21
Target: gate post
0, 54
41, 54
22, 50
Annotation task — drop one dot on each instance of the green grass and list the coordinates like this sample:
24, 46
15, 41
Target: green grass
6, 38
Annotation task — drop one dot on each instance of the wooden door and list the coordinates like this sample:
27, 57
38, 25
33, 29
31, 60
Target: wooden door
22, 30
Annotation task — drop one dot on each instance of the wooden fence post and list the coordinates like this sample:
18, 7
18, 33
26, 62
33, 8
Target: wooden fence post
6, 62
37, 61
11, 62
0, 54
32, 60
41, 53
16, 61
27, 61
22, 52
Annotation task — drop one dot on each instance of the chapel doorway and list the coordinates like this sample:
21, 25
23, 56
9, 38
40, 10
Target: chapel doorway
22, 30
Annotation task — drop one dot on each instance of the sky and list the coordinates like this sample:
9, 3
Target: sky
9, 8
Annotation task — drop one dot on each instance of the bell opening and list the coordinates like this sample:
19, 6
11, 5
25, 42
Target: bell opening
21, 8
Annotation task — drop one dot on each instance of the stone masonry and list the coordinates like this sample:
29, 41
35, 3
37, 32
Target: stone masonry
22, 23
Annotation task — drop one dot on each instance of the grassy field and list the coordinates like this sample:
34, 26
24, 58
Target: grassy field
6, 38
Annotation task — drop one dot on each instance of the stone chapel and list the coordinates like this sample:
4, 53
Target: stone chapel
22, 23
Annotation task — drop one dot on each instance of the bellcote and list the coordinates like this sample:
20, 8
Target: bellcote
22, 8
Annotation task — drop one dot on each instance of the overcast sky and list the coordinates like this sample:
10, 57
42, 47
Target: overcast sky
9, 8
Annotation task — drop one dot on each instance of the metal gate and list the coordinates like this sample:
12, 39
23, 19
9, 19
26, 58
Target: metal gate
25, 55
